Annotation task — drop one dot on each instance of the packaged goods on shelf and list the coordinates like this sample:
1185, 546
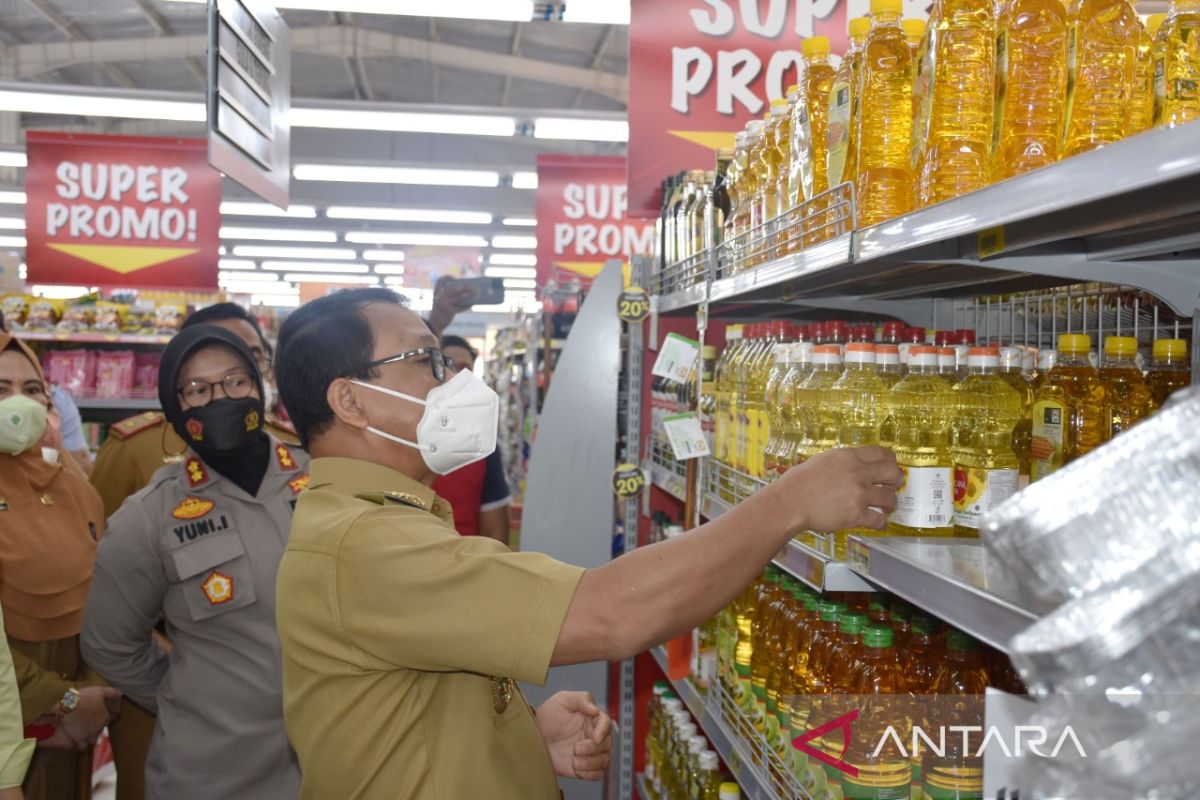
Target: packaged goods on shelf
74, 370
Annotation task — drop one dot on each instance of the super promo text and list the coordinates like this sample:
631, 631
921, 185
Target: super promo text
121, 201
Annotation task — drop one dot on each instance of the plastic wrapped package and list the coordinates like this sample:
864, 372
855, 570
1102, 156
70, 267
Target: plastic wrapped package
74, 370
1106, 515
145, 378
115, 373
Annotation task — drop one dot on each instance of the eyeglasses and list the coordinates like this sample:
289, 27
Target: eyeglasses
198, 392
438, 363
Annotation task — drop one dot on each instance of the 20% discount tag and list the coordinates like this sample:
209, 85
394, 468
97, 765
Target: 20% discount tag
633, 305
628, 480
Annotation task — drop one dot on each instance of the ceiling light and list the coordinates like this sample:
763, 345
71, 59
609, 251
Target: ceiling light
264, 251
603, 12
235, 263
394, 281
515, 242
511, 293
383, 255
409, 215
403, 121
407, 175
524, 222
254, 287
278, 234
589, 130
221, 250
330, 278
519, 283
314, 266
254, 277
81, 104
430, 239
524, 180
17, 198
12, 223
513, 259
242, 209
510, 272
12, 158
12, 241
506, 10
276, 300
389, 269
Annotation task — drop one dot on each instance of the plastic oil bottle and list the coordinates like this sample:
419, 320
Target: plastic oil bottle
744, 614
772, 446
956, 80
706, 783
842, 129
1070, 410
914, 32
813, 404
1181, 89
1031, 86
842, 662
721, 376
824, 634
782, 680
1012, 363
986, 469
654, 714
812, 115
1143, 88
735, 191
764, 191
765, 619
799, 368
1102, 46
922, 404
758, 373
745, 216
1169, 369
878, 680
1129, 399
756, 337
884, 179
858, 398
961, 683
947, 360
1158, 58
776, 160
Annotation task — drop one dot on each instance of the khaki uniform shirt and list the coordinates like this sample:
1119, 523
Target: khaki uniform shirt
196, 547
399, 639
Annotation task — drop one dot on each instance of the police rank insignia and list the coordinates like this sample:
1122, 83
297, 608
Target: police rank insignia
298, 485
196, 474
252, 420
502, 692
286, 462
218, 588
192, 508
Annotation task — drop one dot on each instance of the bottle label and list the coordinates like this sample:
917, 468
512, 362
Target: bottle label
1160, 87
978, 491
804, 154
838, 132
1001, 87
1049, 431
972, 792
926, 499
854, 791
1072, 75
923, 95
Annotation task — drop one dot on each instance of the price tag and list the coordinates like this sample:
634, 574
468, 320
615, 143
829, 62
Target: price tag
686, 436
991, 241
633, 305
676, 358
628, 480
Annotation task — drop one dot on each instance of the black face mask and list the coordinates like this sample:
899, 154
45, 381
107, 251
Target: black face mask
223, 426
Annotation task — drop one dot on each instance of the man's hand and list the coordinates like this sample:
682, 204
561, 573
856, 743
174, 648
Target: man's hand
85, 723
449, 299
59, 740
578, 735
848, 487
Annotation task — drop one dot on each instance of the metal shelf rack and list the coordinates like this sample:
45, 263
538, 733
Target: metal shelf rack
665, 472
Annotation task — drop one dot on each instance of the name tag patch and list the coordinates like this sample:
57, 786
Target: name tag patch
194, 530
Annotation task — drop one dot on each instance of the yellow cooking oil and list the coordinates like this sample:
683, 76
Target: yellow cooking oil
1158, 56
795, 191
734, 188
922, 404
858, 400
1031, 86
1181, 91
1143, 81
799, 368
1169, 370
1070, 410
884, 176
987, 411
775, 402
1102, 44
749, 183
883, 768
817, 422
741, 376
764, 191
914, 32
1129, 398
1012, 361
766, 621
758, 373
812, 115
776, 160
954, 122
722, 390
743, 655
842, 111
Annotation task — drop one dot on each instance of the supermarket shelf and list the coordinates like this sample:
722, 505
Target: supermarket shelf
682, 299
751, 284
670, 482
820, 571
117, 403
712, 506
93, 338
953, 579
643, 790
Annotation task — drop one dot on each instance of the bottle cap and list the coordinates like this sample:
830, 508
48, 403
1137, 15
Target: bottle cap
887, 354
922, 355
754, 128
886, 7
793, 89
827, 354
860, 353
1170, 348
815, 46
859, 26
672, 704
862, 333
852, 623
709, 351
816, 330
829, 610
913, 28
687, 729
893, 330
779, 329
837, 330
961, 642
1011, 357
739, 140
1154, 22
878, 636
710, 761
925, 625
733, 332
697, 745
964, 336
941, 338
947, 357
1074, 343
661, 687
729, 791
1122, 346
900, 611
778, 102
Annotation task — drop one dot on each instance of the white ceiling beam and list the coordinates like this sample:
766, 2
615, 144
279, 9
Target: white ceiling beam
163, 28
73, 33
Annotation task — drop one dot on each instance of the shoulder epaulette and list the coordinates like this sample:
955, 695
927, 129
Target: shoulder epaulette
399, 498
134, 425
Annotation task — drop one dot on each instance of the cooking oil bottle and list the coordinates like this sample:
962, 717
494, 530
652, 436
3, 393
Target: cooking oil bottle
1181, 68
745, 216
1169, 370
774, 401
814, 407
953, 131
723, 391
793, 698
922, 405
1102, 44
1158, 57
986, 469
843, 659
779, 679
765, 619
959, 687
1012, 361
887, 357
824, 634
1031, 86
884, 179
947, 360
799, 368
758, 373
843, 112
883, 771
781, 141
858, 399
812, 115
760, 167
1129, 399
734, 190
914, 32
1143, 81
1070, 410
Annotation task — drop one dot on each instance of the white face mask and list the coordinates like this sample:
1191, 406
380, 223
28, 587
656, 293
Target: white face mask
458, 426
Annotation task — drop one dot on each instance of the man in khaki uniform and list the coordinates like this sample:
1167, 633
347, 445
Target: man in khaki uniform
401, 640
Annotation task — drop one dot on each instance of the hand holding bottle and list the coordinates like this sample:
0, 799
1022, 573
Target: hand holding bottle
848, 487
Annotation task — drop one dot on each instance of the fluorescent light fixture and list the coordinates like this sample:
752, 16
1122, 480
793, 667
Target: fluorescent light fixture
12, 223
389, 269
383, 255
519, 283
510, 272
22, 270
513, 259
254, 287
237, 208
11, 158
316, 253
301, 277
505, 10
588, 130
81, 104
16, 198
12, 241
278, 234
235, 263
511, 293
523, 222
315, 266
59, 292
515, 242
221, 250
403, 121
602, 12
429, 239
394, 281
409, 215
276, 300
420, 176
236, 275
524, 180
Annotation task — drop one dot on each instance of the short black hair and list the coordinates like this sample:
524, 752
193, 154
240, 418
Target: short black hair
219, 312
458, 341
322, 341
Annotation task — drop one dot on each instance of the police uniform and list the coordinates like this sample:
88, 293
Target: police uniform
401, 641
197, 547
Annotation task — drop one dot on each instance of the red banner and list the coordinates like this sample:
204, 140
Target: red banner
121, 211
699, 70
582, 218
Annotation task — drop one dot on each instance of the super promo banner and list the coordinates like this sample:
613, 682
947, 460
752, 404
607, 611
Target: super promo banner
699, 70
582, 218
123, 211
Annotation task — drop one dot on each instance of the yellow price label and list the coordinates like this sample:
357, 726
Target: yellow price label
633, 305
628, 480
991, 241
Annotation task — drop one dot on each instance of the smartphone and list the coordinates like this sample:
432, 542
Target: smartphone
488, 291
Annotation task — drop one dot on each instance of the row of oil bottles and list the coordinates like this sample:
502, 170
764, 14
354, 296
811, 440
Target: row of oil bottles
970, 426
917, 113
680, 765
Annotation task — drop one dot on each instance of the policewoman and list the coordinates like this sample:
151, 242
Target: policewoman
202, 544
